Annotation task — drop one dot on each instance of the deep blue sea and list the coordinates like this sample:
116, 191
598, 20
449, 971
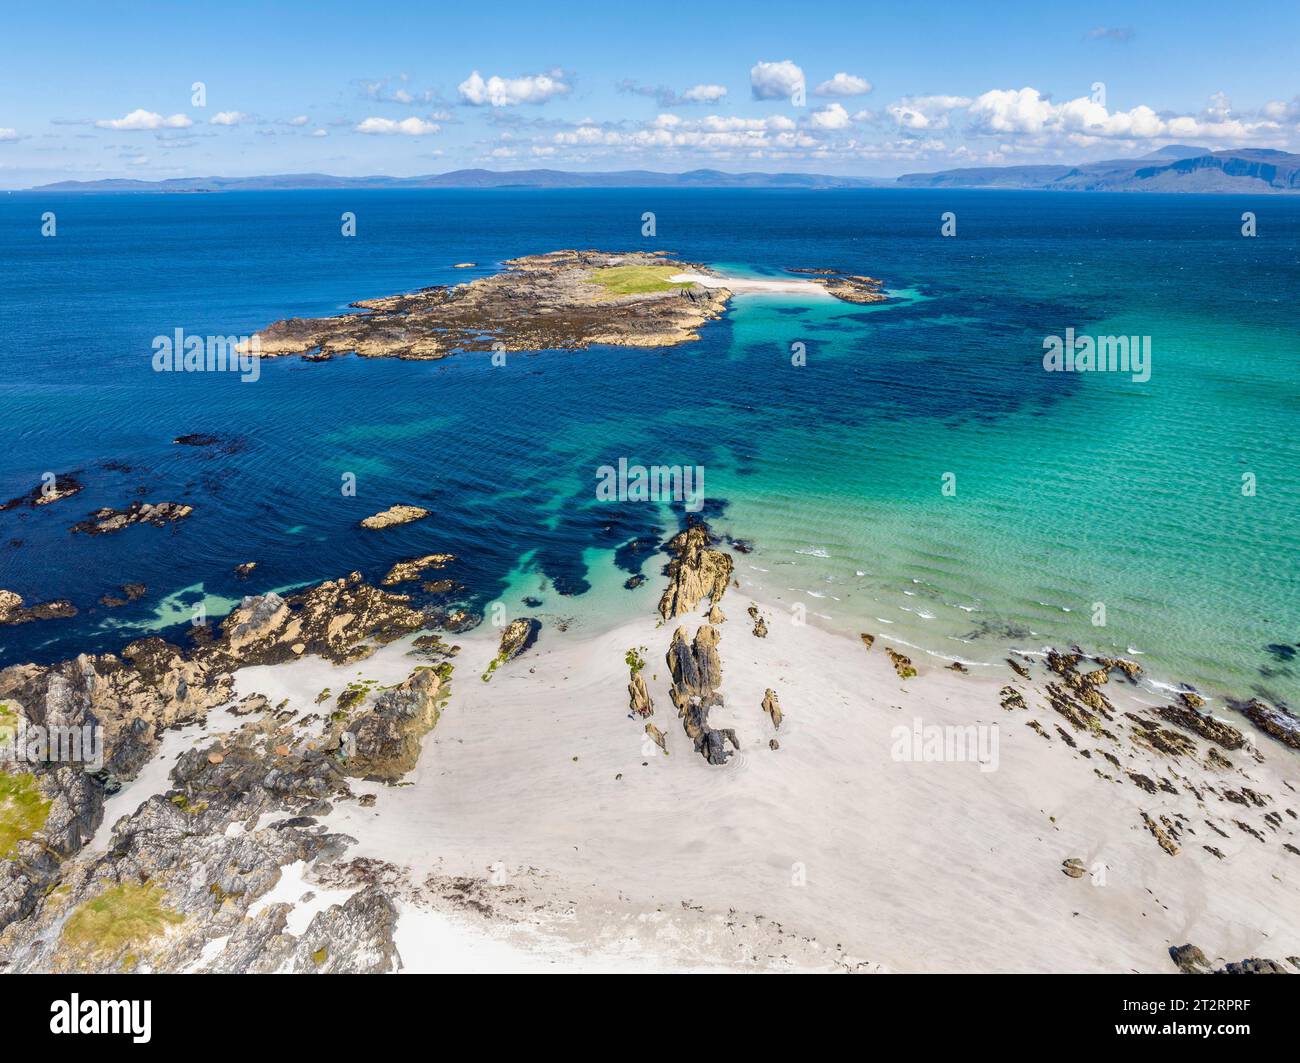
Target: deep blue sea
1071, 489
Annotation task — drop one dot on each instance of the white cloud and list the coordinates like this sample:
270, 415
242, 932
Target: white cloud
229, 118
704, 93
301, 119
843, 84
8, 134
505, 92
775, 81
319, 133
925, 112
1084, 120
142, 119
833, 116
410, 127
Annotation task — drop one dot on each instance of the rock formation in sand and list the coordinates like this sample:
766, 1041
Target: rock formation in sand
696, 572
772, 707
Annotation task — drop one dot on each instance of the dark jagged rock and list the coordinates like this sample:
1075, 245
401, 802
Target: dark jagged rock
1202, 724
129, 592
1274, 722
12, 610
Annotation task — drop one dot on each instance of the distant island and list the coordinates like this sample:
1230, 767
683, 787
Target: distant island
560, 300
1176, 168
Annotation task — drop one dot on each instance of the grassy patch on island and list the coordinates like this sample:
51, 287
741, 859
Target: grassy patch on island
637, 280
23, 810
129, 914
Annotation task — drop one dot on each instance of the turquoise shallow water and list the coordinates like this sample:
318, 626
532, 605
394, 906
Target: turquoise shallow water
1071, 489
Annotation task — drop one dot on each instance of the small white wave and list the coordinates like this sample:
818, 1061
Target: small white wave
814, 551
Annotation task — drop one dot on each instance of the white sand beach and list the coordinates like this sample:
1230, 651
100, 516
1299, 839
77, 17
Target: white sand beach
754, 285
590, 850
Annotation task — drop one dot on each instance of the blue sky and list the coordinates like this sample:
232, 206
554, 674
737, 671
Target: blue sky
105, 90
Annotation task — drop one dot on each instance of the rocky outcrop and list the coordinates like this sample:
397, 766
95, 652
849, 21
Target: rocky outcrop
413, 568
341, 620
243, 571
638, 696
63, 486
518, 636
1276, 723
696, 572
127, 592
1202, 724
760, 625
12, 610
562, 300
107, 520
1191, 960
696, 671
383, 741
394, 515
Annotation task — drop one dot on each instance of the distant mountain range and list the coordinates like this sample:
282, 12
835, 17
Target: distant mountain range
1177, 168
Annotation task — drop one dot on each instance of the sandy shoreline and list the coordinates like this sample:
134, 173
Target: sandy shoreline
827, 853
754, 285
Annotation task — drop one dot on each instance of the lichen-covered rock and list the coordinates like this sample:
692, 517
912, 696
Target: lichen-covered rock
902, 665
517, 637
386, 737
